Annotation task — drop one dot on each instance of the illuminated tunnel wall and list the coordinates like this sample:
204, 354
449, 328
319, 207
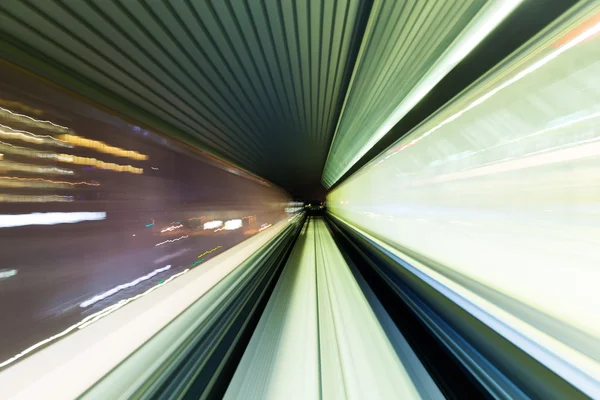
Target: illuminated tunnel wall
496, 197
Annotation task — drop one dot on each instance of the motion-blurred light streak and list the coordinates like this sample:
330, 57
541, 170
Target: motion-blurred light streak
6, 132
172, 240
6, 165
23, 151
51, 218
349, 146
264, 226
232, 224
103, 147
212, 224
171, 228
210, 251
122, 303
87, 321
14, 181
7, 273
27, 120
529, 161
124, 286
21, 198
198, 262
67, 158
522, 74
503, 175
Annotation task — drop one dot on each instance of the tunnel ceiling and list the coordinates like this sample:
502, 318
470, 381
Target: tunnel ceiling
263, 84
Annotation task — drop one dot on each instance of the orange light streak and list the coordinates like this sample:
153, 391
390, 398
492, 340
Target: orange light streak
572, 34
102, 147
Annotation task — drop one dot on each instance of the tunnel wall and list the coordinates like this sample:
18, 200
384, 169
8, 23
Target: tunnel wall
497, 194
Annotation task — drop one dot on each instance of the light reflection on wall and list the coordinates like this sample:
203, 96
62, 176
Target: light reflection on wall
497, 196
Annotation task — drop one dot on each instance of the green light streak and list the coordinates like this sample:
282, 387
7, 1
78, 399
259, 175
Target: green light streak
197, 262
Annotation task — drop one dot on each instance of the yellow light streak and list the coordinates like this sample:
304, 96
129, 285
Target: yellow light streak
97, 163
102, 147
17, 198
9, 181
21, 106
68, 158
209, 251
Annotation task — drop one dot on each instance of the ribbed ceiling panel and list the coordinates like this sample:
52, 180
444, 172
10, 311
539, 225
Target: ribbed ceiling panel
260, 83
407, 48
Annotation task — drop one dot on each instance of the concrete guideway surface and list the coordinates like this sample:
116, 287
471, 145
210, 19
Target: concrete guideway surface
319, 336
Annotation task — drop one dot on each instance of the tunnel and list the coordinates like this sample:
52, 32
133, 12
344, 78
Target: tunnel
299, 199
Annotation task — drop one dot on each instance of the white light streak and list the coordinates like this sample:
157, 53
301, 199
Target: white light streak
34, 120
117, 289
171, 228
264, 226
7, 273
22, 167
233, 224
171, 241
87, 321
14, 220
475, 32
212, 224
115, 307
522, 74
17, 134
